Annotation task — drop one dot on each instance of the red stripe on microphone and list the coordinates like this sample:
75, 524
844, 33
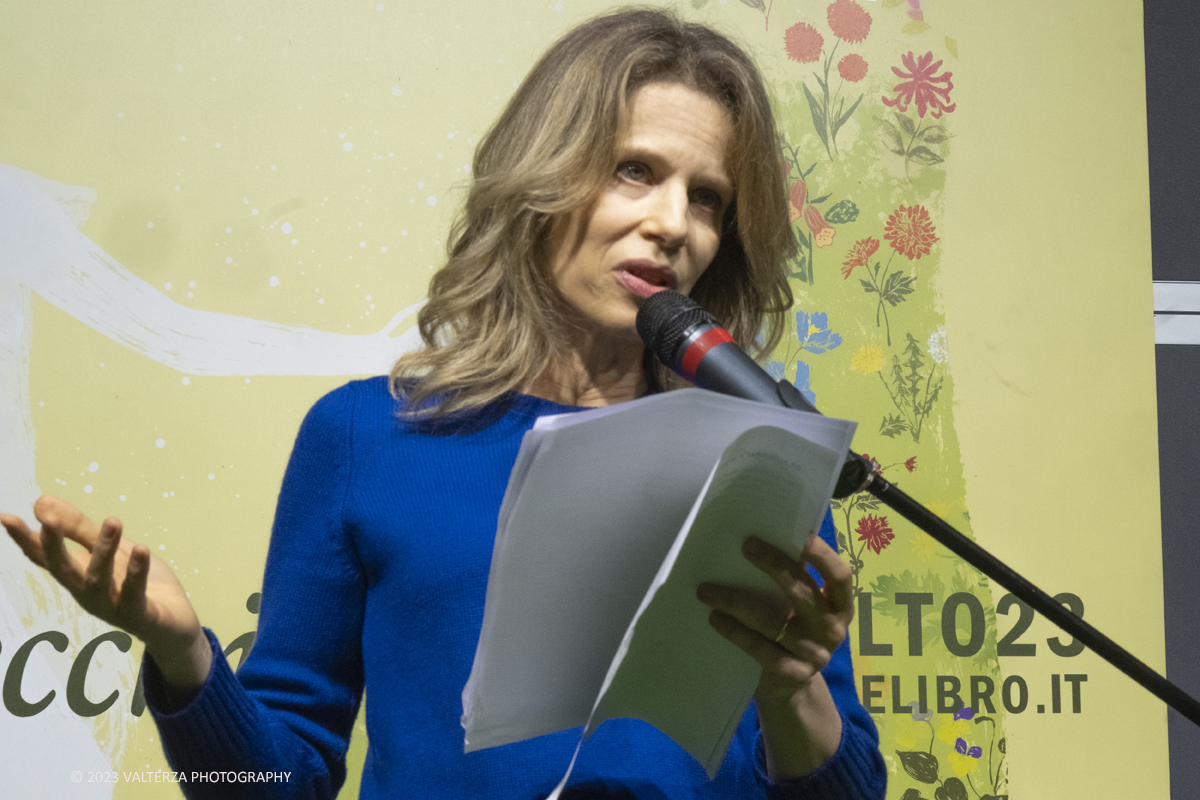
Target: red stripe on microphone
697, 350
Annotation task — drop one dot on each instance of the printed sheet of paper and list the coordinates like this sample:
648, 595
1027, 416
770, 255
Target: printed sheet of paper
672, 669
594, 505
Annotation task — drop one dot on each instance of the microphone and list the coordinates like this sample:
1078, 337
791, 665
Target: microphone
689, 340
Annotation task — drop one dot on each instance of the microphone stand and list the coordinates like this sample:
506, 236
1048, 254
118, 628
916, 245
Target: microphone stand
858, 476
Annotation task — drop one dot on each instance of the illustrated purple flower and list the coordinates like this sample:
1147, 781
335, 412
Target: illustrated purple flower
961, 748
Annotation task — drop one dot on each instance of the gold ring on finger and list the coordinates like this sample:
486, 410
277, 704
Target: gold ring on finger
783, 631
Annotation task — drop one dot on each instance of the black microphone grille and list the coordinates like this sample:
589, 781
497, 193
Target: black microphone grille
664, 320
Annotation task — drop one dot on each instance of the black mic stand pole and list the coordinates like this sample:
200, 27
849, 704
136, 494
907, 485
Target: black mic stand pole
858, 476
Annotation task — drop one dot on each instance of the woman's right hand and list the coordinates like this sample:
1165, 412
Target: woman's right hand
119, 582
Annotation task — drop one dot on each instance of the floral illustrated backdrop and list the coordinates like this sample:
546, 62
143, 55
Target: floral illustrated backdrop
868, 106
213, 215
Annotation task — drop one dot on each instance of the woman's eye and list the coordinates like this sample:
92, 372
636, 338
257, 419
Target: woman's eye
707, 198
634, 171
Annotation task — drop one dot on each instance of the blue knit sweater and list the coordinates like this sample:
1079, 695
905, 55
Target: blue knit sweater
375, 577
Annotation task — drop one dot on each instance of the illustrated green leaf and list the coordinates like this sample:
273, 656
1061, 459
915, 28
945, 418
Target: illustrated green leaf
842, 212
867, 286
844, 118
843, 545
897, 287
820, 199
906, 124
952, 789
918, 765
818, 116
891, 137
699, 3
808, 171
893, 426
912, 794
1002, 745
929, 583
913, 27
952, 46
923, 155
934, 135
757, 5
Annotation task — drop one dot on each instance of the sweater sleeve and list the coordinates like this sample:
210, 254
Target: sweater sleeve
290, 709
856, 771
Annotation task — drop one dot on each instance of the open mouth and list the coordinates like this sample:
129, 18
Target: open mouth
644, 279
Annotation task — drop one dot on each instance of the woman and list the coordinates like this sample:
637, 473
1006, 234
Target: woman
639, 153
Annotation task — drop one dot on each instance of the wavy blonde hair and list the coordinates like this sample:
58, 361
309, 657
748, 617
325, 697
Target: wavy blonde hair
495, 319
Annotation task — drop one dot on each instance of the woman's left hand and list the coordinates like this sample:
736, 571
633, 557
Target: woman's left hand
793, 637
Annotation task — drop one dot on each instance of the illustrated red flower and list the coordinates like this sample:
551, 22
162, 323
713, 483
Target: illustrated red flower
852, 68
914, 10
911, 464
849, 21
910, 231
858, 255
875, 531
822, 231
921, 85
875, 465
796, 198
803, 43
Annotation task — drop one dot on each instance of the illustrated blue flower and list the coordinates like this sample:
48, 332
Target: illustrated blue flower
814, 334
966, 712
777, 370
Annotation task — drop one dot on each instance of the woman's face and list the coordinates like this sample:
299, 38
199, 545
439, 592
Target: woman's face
658, 222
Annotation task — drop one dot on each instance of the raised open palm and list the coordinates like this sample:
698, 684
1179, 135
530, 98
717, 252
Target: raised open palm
119, 582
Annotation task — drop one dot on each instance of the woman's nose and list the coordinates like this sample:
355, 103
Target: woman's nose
667, 215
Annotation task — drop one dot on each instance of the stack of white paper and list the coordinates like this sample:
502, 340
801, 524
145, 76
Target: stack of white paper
611, 519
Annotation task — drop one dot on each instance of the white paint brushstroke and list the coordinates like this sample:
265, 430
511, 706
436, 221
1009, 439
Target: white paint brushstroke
43, 251
44, 749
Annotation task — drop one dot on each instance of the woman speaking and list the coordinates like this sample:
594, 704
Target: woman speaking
639, 153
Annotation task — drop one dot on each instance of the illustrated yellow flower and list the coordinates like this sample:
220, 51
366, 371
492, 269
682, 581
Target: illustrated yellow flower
911, 734
951, 730
868, 360
962, 764
939, 507
923, 547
